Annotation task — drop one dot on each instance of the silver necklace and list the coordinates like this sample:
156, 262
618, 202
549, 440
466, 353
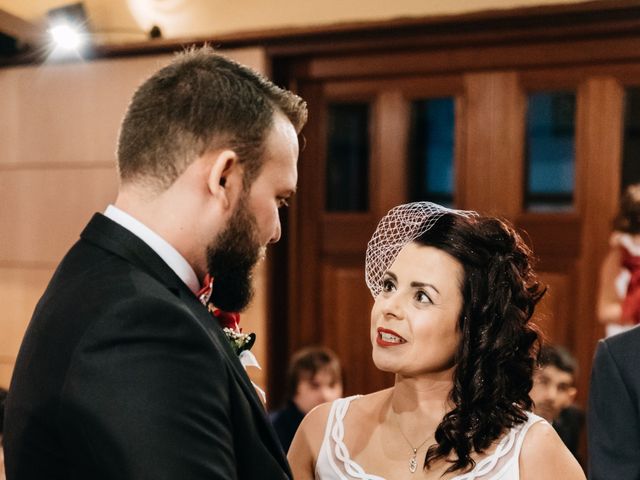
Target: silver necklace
413, 462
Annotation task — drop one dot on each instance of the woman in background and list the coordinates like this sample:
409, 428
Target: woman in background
619, 290
454, 293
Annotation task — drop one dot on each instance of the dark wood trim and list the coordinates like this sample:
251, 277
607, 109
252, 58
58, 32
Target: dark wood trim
591, 19
18, 27
277, 315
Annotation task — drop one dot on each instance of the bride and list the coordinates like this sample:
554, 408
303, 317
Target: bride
454, 293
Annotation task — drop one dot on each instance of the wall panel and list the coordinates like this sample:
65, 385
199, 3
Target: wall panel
44, 210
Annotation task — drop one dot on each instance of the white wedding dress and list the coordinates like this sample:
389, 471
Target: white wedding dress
334, 463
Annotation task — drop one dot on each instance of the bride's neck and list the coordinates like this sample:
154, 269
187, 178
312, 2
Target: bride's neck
416, 407
422, 395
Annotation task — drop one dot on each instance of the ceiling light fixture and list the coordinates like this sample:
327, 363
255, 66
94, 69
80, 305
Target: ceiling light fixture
67, 37
68, 28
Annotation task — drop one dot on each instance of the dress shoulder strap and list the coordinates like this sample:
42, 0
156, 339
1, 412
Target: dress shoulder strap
503, 462
524, 428
334, 461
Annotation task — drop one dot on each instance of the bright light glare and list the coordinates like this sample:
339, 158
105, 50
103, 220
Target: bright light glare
66, 37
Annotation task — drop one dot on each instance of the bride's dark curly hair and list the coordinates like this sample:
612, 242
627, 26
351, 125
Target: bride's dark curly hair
499, 345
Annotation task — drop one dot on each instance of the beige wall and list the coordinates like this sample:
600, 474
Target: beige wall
58, 129
188, 18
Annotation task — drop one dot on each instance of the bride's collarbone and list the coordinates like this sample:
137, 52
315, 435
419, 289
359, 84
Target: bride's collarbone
382, 452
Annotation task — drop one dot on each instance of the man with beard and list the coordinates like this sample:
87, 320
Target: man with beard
123, 373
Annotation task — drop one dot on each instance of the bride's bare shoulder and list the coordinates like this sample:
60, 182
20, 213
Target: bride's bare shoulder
544, 456
307, 442
315, 421
314, 424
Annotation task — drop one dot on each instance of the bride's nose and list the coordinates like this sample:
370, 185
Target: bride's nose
392, 305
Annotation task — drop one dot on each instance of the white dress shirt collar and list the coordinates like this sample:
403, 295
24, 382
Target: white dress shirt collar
165, 251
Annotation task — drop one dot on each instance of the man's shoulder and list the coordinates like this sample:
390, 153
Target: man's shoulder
623, 343
91, 275
620, 354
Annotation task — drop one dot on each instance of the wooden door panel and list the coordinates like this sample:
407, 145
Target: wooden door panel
346, 309
347, 233
553, 237
553, 312
490, 175
494, 143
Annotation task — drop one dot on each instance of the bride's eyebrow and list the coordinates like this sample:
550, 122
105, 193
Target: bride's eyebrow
424, 285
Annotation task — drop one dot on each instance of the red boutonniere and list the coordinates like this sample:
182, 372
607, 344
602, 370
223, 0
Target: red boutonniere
229, 321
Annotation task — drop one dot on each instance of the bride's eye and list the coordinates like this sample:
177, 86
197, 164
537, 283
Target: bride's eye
388, 285
422, 297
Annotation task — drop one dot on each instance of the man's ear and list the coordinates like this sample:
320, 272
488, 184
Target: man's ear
572, 393
225, 177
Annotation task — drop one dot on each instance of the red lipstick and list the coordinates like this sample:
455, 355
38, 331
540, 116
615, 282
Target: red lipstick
388, 338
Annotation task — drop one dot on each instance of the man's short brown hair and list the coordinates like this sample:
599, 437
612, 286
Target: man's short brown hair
199, 102
307, 362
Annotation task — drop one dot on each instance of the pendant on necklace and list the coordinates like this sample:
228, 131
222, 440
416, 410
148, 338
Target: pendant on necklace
413, 464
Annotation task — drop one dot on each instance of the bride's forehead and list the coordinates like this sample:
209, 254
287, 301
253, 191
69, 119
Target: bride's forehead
414, 257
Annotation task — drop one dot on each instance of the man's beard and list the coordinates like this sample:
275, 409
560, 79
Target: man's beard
231, 259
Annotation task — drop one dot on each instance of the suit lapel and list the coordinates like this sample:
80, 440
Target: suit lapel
109, 235
216, 333
218, 336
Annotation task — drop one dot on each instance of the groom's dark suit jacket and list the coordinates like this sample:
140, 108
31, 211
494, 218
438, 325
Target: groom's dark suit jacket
614, 409
123, 374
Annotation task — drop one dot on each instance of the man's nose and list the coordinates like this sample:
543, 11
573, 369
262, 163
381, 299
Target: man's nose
277, 232
549, 393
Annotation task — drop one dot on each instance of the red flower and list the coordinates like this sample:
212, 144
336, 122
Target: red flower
227, 319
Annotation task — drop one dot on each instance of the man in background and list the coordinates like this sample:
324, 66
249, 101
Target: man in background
123, 372
554, 392
314, 377
614, 408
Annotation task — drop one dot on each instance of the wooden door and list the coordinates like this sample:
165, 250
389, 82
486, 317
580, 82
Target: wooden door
493, 74
330, 302
330, 236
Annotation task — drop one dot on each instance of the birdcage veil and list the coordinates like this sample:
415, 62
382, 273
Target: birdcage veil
400, 226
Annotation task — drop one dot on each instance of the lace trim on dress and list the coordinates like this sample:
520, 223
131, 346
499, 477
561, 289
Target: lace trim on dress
505, 447
340, 450
484, 469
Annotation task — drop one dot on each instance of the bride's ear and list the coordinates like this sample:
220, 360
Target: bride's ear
225, 178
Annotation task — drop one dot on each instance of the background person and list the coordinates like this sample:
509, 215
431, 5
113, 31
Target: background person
554, 392
123, 372
619, 289
454, 293
314, 377
613, 415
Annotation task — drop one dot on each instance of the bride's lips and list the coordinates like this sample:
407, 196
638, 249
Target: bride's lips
388, 338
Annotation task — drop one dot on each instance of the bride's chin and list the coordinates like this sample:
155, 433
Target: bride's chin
384, 364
